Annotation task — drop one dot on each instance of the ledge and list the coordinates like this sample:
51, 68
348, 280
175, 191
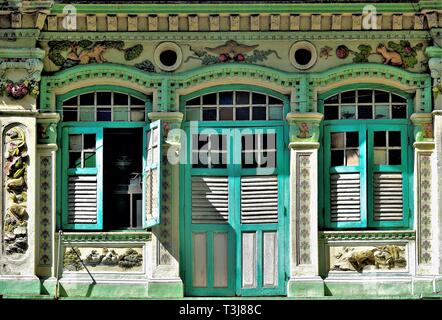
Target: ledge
367, 235
106, 236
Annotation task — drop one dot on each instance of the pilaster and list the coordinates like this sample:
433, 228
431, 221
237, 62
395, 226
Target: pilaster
163, 271
304, 266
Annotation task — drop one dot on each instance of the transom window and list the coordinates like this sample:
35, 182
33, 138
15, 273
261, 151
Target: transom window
234, 105
104, 106
365, 104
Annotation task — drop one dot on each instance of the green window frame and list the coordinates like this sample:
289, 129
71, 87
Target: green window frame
376, 180
151, 214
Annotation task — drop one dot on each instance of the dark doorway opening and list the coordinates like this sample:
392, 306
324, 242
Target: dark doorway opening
122, 172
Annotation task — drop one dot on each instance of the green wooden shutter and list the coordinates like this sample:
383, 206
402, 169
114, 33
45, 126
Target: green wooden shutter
152, 174
388, 182
345, 185
82, 180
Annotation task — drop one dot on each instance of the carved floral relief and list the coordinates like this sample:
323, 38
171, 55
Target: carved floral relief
15, 173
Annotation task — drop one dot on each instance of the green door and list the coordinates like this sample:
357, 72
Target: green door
234, 212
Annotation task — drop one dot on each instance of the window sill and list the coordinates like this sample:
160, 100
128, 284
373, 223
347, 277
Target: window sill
100, 236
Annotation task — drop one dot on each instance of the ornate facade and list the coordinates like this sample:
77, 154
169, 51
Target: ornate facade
249, 149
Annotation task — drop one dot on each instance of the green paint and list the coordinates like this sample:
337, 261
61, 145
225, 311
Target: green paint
20, 286
423, 286
165, 289
305, 288
368, 287
103, 290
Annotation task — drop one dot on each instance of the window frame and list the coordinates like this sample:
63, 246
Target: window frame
86, 127
402, 125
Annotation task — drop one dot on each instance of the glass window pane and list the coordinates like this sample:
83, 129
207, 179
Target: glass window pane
332, 99
331, 112
217, 142
268, 159
89, 141
104, 114
242, 113
394, 138
348, 97
75, 142
209, 114
121, 99
226, 98
194, 101
337, 140
137, 114
396, 98
365, 112
380, 156
87, 99
193, 114
337, 158
365, 96
248, 142
248, 160
275, 113
74, 159
226, 113
218, 160
71, 102
352, 139
394, 157
348, 112
259, 113
87, 114
89, 159
104, 98
399, 112
70, 114
273, 100
209, 99
352, 157
380, 139
258, 98
268, 141
121, 113
136, 102
381, 112
381, 96
242, 97
203, 142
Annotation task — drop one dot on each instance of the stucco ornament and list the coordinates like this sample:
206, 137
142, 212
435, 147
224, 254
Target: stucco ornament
15, 171
401, 54
29, 85
231, 51
66, 54
381, 257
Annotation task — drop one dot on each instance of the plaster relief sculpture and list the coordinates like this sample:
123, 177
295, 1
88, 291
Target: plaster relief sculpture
231, 51
362, 259
103, 259
401, 54
15, 171
66, 54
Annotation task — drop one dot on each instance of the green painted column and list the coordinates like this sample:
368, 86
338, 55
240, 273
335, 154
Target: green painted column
163, 256
304, 278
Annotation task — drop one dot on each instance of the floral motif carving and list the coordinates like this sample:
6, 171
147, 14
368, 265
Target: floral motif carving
424, 206
231, 51
303, 206
45, 248
15, 172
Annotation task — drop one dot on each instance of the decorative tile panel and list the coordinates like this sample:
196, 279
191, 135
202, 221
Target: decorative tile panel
424, 207
303, 197
45, 208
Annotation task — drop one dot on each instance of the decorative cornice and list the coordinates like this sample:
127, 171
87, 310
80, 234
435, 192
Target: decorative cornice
107, 236
15, 34
239, 36
166, 116
367, 235
35, 53
433, 52
299, 145
424, 145
312, 117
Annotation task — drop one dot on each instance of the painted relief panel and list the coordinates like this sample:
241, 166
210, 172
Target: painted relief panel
15, 170
368, 258
104, 259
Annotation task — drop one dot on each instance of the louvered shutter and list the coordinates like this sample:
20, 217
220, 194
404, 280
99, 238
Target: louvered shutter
345, 197
259, 199
152, 174
82, 200
210, 199
82, 186
388, 196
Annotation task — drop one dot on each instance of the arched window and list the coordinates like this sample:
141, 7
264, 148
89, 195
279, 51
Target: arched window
234, 105
109, 155
366, 159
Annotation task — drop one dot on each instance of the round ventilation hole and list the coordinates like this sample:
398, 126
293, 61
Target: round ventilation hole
303, 55
168, 56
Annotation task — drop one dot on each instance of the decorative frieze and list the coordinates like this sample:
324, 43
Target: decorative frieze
193, 22
419, 21
432, 19
303, 198
91, 22
16, 19
356, 22
173, 22
132, 23
234, 22
275, 22
52, 23
254, 22
112, 22
304, 127
316, 22
366, 235
153, 22
45, 209
397, 22
424, 208
214, 24
336, 22
295, 22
